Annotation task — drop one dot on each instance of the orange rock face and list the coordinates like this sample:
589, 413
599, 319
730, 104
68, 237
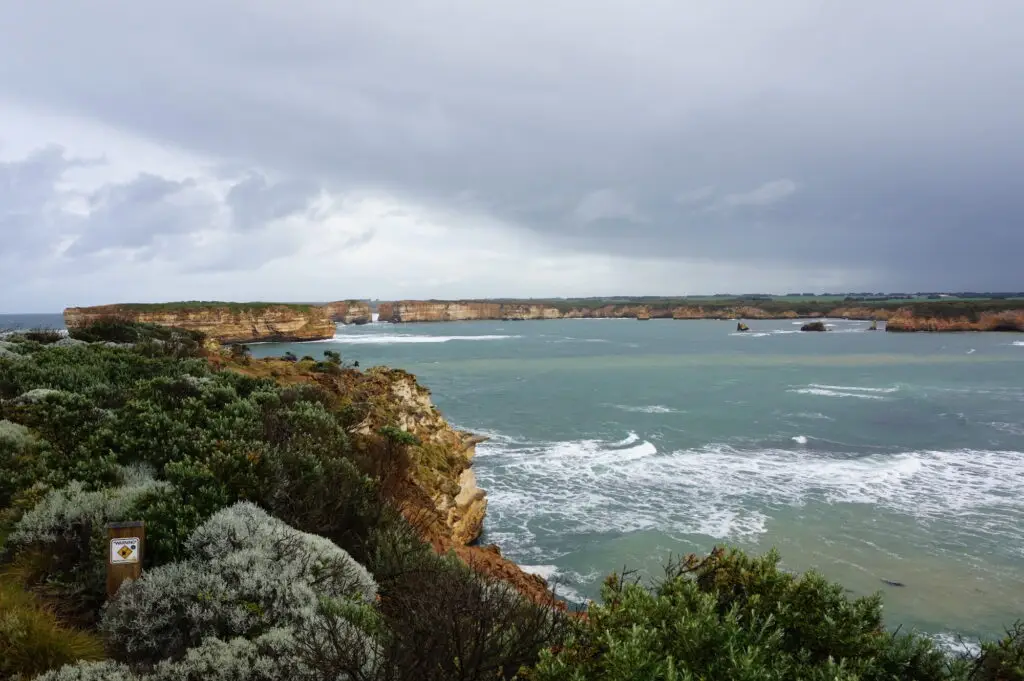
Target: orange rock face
226, 324
905, 320
349, 312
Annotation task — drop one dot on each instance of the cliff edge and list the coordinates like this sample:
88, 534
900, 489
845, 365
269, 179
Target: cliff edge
438, 494
349, 312
224, 322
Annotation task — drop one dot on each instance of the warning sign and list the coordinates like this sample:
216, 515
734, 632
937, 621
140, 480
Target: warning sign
124, 550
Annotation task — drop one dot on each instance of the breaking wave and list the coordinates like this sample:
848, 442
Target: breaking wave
824, 392
600, 486
855, 388
649, 409
389, 339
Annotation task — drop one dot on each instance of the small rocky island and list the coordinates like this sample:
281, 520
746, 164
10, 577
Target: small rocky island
814, 326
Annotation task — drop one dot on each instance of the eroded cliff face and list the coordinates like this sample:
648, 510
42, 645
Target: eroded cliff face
225, 324
455, 311
451, 311
440, 495
349, 312
905, 319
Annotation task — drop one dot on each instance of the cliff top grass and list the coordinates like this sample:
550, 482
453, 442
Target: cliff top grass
191, 305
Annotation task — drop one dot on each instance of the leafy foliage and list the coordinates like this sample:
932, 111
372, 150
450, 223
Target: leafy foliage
731, 616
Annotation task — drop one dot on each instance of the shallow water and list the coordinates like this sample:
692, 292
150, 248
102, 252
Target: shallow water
616, 443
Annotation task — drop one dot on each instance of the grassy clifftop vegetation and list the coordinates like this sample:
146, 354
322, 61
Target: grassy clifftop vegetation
276, 550
186, 305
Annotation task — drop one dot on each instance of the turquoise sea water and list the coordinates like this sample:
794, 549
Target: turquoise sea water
615, 443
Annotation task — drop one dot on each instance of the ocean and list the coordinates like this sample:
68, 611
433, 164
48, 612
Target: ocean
875, 458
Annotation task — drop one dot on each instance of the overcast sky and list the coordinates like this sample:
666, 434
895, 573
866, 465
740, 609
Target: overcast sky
312, 150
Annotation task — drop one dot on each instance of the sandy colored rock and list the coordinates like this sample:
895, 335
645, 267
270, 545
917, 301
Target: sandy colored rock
906, 320
225, 324
349, 312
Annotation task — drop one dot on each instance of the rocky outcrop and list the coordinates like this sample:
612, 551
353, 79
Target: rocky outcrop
349, 312
814, 326
440, 496
906, 320
454, 311
226, 323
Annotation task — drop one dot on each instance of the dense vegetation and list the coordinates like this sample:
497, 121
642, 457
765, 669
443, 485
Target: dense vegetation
207, 304
275, 549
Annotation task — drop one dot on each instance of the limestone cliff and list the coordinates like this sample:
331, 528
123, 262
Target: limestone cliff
223, 322
905, 319
909, 318
349, 312
453, 311
440, 495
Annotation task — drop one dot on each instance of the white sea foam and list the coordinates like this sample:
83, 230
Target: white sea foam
812, 415
724, 492
956, 645
1019, 343
649, 409
799, 439
629, 439
389, 339
855, 388
545, 571
1012, 428
823, 392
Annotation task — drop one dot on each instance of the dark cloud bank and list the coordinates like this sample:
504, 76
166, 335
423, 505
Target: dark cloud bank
880, 137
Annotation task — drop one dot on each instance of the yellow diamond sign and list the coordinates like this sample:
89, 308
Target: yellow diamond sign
124, 550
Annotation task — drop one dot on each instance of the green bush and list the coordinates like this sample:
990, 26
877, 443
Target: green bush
730, 616
1002, 660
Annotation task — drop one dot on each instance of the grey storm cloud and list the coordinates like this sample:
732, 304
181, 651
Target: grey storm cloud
886, 135
142, 215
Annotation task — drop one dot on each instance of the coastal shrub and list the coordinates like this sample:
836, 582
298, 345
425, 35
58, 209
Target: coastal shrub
22, 458
106, 670
446, 621
65, 535
33, 639
241, 353
1002, 660
42, 336
152, 339
247, 573
736, 617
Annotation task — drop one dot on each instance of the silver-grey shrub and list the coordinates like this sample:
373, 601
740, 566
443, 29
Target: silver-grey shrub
247, 573
64, 511
269, 657
90, 671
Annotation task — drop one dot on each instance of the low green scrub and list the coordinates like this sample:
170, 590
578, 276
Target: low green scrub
275, 549
186, 305
730, 616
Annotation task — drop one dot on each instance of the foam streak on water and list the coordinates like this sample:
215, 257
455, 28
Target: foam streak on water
389, 339
599, 486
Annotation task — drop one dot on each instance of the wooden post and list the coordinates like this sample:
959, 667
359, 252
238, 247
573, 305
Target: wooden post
124, 553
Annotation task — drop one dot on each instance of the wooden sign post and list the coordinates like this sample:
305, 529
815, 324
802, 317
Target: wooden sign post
124, 553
